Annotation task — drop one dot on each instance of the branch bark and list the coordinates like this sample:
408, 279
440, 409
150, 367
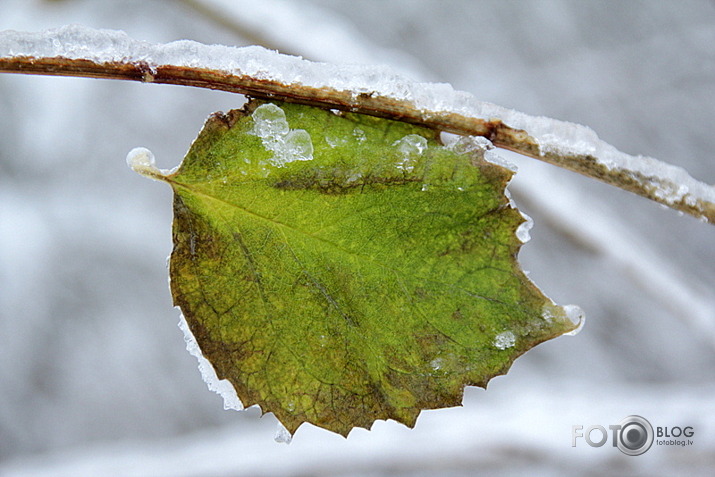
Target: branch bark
691, 199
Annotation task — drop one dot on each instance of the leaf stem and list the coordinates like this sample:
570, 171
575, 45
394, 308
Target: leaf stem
648, 184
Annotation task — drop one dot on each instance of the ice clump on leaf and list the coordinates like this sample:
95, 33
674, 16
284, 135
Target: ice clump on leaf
359, 134
479, 145
410, 147
271, 125
505, 340
269, 122
412, 144
298, 145
335, 141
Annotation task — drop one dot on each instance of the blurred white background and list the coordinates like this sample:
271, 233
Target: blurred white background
94, 376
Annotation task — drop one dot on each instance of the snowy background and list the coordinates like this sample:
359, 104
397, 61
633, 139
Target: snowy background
94, 375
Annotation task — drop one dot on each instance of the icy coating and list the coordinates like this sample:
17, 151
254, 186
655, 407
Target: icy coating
287, 145
670, 183
522, 232
221, 387
282, 436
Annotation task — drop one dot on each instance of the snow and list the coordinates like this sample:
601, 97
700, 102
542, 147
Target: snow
670, 183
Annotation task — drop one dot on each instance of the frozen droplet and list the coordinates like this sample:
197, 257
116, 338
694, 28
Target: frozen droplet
140, 157
505, 340
335, 141
577, 317
410, 147
359, 134
282, 435
141, 160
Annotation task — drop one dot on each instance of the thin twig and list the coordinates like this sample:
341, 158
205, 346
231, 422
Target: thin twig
646, 184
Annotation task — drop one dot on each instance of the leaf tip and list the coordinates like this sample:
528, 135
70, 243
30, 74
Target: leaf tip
571, 315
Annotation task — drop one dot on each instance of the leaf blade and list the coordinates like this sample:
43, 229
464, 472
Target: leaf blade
369, 281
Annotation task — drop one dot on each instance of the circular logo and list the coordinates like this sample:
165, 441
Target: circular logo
635, 436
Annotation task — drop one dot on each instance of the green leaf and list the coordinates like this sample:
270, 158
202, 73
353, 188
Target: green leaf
338, 268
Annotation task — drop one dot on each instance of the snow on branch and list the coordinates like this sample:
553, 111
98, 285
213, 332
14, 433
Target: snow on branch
80, 51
